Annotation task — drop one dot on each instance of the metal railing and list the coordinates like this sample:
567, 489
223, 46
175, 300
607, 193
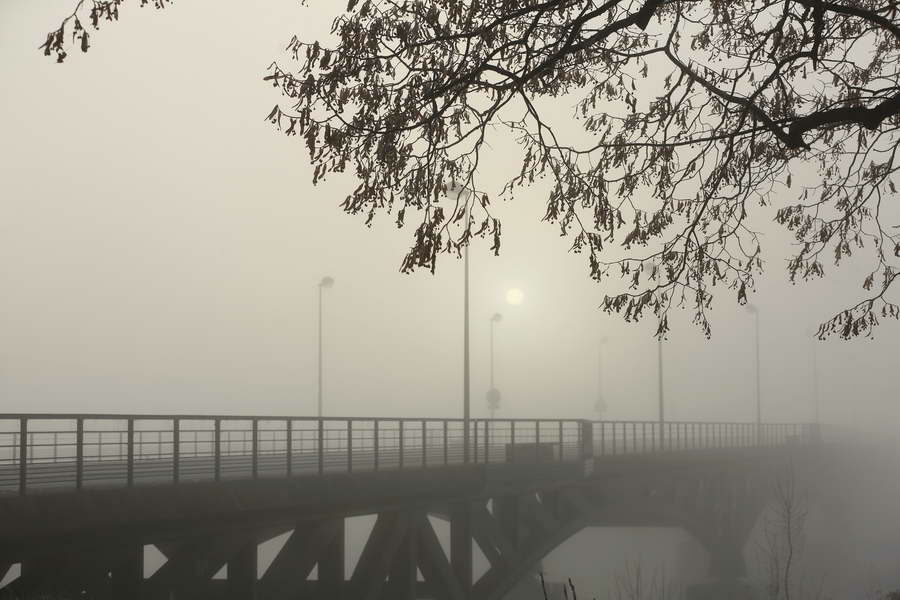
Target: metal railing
57, 452
62, 452
612, 438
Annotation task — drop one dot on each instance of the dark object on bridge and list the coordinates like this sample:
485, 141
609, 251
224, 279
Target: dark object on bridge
532, 453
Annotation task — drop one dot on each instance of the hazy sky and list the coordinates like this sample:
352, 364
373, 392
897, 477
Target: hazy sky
160, 247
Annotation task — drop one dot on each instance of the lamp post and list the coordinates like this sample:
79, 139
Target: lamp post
814, 374
600, 404
660, 391
461, 194
755, 312
325, 283
493, 395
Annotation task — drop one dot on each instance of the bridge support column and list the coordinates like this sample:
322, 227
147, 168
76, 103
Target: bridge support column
332, 565
461, 545
377, 558
242, 573
402, 582
45, 575
109, 574
127, 577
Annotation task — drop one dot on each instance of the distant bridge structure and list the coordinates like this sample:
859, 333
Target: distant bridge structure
82, 496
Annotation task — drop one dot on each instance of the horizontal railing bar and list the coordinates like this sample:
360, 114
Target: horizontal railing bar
149, 417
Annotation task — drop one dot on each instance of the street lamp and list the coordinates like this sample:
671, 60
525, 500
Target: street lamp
459, 193
660, 391
600, 404
325, 283
493, 395
755, 312
814, 374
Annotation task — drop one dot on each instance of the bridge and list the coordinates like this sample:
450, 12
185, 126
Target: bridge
82, 496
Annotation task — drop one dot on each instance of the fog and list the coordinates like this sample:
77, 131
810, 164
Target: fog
161, 246
162, 249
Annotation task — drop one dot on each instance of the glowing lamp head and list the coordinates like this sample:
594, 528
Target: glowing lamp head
515, 296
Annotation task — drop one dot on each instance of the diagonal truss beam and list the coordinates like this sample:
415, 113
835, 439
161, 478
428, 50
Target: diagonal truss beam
192, 566
378, 555
496, 547
434, 564
286, 576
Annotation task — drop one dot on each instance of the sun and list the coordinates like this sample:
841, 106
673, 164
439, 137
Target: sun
515, 296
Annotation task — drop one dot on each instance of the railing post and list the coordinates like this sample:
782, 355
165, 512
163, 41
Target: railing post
613, 440
130, 441
560, 440
400, 442
289, 443
321, 446
255, 447
537, 441
475, 423
23, 456
445, 442
375, 436
176, 450
424, 446
217, 451
79, 453
512, 440
487, 445
349, 445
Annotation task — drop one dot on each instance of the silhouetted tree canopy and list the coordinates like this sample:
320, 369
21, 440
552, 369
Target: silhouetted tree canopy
688, 114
